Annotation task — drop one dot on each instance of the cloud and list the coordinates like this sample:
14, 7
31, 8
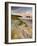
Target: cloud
21, 9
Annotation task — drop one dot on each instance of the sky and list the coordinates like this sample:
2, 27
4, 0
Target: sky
21, 9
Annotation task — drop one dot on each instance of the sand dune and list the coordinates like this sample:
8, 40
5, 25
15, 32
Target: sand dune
20, 31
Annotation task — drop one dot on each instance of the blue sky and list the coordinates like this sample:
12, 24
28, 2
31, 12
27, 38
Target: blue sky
21, 9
